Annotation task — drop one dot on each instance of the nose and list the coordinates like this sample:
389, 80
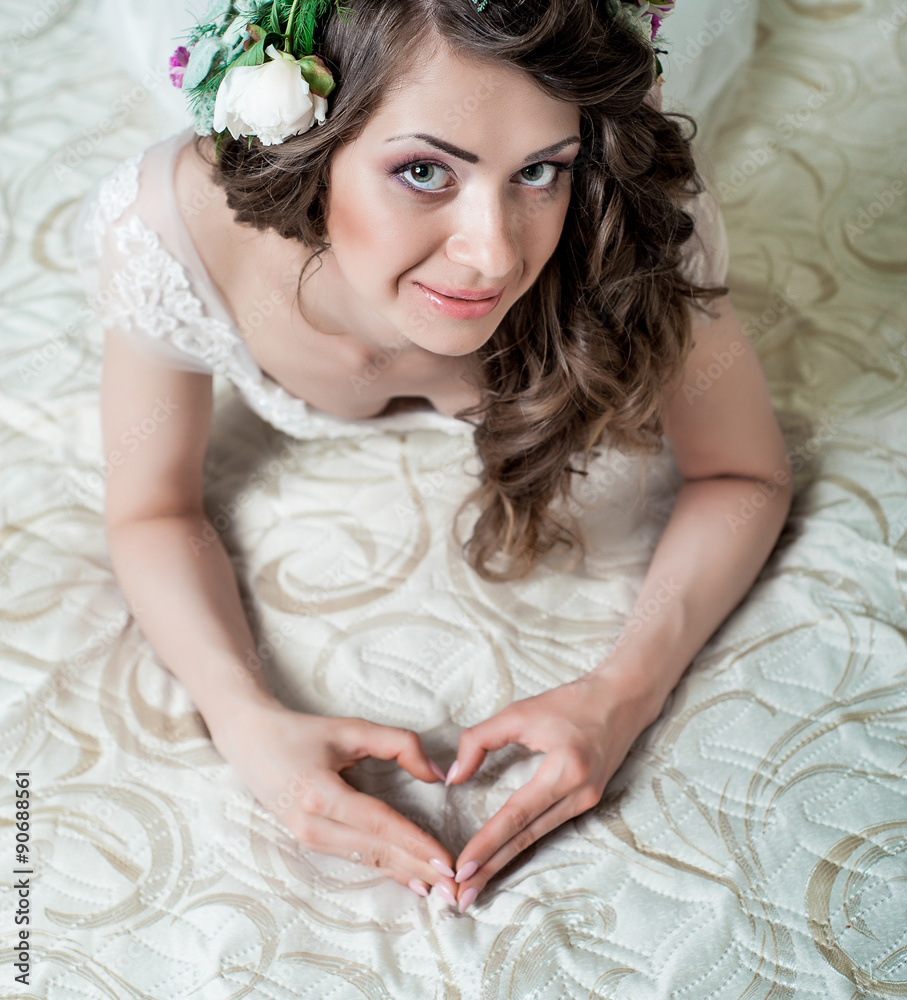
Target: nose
483, 236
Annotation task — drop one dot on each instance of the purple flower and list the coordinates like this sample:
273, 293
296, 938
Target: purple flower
649, 14
178, 63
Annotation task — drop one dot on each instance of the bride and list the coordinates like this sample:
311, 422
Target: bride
482, 203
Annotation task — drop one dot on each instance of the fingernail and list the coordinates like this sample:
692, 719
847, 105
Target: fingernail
419, 888
470, 868
446, 894
452, 773
436, 769
439, 865
468, 898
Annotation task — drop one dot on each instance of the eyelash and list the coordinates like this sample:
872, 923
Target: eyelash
401, 168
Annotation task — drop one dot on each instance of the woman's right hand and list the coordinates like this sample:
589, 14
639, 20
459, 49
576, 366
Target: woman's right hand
291, 762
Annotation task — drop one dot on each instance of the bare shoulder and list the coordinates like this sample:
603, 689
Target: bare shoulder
201, 202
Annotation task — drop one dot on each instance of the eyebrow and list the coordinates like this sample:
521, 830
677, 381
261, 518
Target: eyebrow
462, 154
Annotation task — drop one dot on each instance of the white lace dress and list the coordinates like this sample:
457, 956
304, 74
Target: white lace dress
146, 281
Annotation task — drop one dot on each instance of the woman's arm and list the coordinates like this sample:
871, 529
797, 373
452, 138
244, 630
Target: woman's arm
726, 519
178, 579
186, 600
728, 514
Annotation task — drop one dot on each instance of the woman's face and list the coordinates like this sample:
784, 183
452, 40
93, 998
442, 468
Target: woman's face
456, 187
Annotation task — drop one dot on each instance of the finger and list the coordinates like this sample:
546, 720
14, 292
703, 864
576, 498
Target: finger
549, 820
510, 822
327, 836
370, 739
364, 812
476, 741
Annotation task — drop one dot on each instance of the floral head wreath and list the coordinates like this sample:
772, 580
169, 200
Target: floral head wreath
249, 66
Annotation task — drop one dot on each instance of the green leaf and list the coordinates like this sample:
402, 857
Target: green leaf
254, 57
273, 22
303, 27
345, 13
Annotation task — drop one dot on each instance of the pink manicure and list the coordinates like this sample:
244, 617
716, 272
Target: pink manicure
468, 898
436, 769
470, 868
446, 894
439, 866
417, 887
452, 773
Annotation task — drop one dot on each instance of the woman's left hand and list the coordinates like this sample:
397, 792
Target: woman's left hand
585, 728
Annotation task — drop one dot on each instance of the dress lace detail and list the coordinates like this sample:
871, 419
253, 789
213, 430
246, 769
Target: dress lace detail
153, 292
119, 190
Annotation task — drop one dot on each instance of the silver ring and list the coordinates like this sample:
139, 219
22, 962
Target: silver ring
355, 856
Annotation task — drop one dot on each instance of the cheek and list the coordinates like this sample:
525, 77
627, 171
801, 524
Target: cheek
370, 228
543, 235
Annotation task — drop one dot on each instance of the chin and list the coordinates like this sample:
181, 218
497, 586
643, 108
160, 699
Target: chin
452, 345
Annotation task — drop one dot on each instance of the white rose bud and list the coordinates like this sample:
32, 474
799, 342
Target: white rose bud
272, 101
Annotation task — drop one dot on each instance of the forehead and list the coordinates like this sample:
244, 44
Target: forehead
471, 102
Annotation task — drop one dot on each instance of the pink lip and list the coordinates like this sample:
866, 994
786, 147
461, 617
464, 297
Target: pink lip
463, 303
466, 293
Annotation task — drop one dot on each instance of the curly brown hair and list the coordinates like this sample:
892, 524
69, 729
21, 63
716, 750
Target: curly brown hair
597, 343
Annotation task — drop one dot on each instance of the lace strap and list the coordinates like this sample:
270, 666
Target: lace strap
115, 193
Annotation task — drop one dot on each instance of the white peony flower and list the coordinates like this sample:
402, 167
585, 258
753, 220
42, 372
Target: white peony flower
272, 101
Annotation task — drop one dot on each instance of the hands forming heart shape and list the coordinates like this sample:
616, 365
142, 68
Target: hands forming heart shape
292, 761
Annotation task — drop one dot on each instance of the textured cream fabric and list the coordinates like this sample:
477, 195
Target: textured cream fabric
753, 844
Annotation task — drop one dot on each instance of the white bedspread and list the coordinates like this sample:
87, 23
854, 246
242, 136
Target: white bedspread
754, 844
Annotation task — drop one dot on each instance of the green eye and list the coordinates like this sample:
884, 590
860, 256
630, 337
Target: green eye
538, 172
423, 174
